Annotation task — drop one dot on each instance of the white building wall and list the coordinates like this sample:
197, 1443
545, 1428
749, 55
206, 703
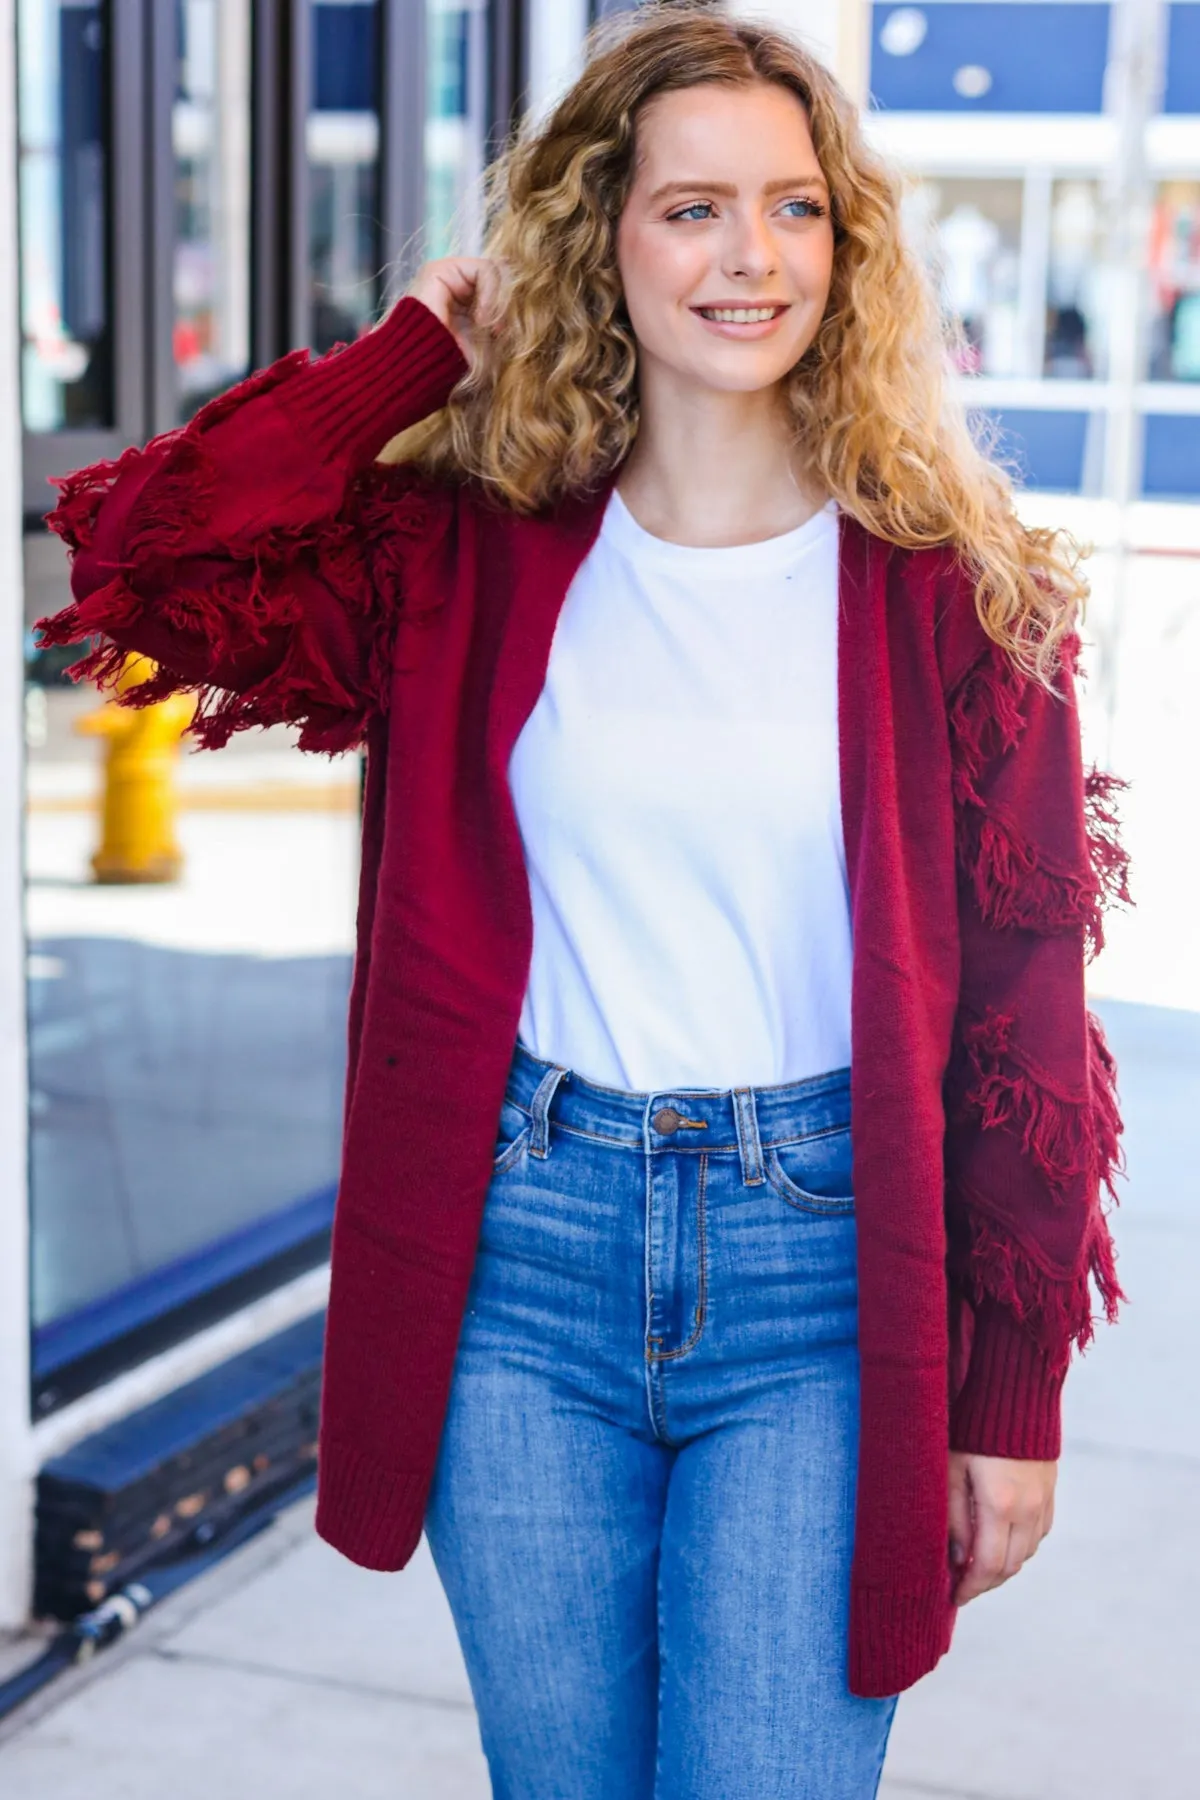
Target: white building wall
556, 32
15, 1436
837, 31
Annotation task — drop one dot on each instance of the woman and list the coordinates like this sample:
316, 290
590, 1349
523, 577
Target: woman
719, 716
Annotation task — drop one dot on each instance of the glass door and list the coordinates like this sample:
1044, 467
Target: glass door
186, 1014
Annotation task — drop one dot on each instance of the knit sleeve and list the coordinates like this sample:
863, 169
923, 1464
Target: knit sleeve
1032, 1115
258, 555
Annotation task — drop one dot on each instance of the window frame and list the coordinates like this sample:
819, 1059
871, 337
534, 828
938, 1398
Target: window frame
141, 224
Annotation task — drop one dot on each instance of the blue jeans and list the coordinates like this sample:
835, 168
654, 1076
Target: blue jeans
643, 1507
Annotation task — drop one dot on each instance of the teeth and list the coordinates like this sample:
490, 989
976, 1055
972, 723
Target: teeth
739, 315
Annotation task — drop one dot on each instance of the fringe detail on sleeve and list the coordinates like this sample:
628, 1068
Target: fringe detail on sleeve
116, 608
1071, 1137
1070, 1140
987, 1262
985, 719
359, 557
182, 488
1109, 857
1014, 884
1068, 1137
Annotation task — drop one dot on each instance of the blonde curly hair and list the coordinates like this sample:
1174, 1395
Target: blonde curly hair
551, 405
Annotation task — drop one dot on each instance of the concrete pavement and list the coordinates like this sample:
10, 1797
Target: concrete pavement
290, 1674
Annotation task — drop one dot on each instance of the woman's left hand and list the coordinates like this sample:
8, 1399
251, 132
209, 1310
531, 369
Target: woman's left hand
1000, 1510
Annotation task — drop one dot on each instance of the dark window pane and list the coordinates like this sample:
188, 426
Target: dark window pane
66, 347
342, 134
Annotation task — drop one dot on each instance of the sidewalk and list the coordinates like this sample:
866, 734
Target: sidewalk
288, 1674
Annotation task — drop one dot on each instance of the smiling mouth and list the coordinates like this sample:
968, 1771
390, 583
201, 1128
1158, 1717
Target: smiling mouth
741, 315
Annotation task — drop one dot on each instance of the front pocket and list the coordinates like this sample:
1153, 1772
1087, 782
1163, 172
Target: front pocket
814, 1173
512, 1136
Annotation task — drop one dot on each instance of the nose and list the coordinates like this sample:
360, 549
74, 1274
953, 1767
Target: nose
750, 251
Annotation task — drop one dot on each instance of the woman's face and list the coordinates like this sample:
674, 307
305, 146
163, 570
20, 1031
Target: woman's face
728, 211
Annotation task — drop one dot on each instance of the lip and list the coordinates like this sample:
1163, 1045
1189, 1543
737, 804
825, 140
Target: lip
725, 328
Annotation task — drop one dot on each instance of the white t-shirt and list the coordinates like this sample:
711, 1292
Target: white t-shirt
677, 792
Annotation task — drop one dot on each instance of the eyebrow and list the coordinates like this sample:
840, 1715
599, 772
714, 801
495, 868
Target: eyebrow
728, 191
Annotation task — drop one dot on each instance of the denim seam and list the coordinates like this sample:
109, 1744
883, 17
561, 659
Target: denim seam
895, 1698
652, 1396
661, 1356
661, 1637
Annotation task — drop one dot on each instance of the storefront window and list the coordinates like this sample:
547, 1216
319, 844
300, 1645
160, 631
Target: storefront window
342, 135
970, 231
456, 37
1074, 270
210, 135
1175, 283
186, 1034
66, 324
189, 916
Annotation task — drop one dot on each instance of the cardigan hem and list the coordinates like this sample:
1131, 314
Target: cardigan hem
896, 1638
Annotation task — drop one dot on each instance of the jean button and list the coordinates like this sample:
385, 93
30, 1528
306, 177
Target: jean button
666, 1120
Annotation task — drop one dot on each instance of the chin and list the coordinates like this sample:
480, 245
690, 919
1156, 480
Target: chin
751, 378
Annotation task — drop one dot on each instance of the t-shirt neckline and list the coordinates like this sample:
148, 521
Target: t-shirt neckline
767, 556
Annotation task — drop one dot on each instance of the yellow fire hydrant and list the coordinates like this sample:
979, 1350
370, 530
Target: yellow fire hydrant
140, 801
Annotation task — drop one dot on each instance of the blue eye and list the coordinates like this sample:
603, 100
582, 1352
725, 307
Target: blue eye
816, 210
689, 211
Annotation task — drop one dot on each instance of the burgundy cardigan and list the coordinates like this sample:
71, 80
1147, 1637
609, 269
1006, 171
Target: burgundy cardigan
265, 561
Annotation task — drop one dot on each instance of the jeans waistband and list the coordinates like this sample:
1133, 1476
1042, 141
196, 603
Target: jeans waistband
746, 1119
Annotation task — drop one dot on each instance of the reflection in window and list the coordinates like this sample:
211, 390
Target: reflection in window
210, 134
970, 232
342, 133
1175, 283
1073, 273
455, 125
186, 1037
66, 337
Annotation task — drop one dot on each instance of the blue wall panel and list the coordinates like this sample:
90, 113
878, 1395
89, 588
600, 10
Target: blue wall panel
1041, 57
1183, 59
1047, 447
1171, 470
345, 57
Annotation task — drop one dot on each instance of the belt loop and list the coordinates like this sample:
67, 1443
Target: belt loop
539, 1141
749, 1144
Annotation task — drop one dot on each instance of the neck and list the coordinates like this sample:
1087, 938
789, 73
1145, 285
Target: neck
714, 468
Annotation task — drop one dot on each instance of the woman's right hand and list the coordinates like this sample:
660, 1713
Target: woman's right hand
463, 292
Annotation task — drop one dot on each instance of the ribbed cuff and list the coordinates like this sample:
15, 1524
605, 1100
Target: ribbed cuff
371, 1514
350, 403
1011, 1402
